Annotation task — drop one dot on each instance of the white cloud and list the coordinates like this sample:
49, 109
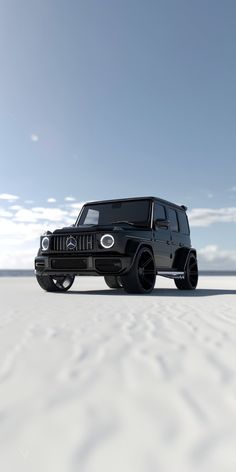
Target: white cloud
233, 189
9, 197
51, 200
208, 216
69, 199
19, 243
19, 232
212, 257
4, 213
43, 214
77, 205
34, 138
15, 207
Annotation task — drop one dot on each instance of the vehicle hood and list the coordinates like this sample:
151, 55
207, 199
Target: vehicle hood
91, 229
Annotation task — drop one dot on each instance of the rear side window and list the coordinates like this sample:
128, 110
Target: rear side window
183, 222
173, 220
159, 212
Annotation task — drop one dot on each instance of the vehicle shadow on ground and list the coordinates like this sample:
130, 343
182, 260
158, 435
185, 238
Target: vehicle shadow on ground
158, 292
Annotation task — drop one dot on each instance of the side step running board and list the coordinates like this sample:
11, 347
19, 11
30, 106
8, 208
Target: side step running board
171, 274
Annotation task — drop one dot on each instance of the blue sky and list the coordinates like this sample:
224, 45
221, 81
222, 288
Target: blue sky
102, 99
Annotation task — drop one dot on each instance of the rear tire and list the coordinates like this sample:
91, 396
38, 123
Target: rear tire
113, 281
191, 275
142, 276
52, 283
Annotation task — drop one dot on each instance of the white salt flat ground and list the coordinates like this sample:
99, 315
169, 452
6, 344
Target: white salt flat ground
99, 381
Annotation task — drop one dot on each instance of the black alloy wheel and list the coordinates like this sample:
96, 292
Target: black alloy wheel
52, 283
191, 275
142, 276
113, 281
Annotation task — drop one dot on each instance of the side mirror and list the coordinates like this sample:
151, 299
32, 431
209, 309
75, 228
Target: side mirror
161, 223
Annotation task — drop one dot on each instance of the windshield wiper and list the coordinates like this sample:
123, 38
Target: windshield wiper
124, 221
85, 226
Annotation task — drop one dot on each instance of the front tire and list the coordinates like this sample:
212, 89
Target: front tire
52, 283
191, 275
113, 281
142, 276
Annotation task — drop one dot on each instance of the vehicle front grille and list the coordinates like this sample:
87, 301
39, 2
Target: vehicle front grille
80, 242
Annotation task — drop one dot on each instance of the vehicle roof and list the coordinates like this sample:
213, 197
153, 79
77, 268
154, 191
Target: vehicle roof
157, 199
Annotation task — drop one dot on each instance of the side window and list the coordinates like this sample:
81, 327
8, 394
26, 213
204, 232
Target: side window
159, 212
183, 222
173, 220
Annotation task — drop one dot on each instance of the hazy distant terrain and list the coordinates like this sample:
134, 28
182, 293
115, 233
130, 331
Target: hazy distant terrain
96, 380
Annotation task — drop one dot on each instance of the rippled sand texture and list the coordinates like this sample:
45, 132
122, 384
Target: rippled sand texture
96, 380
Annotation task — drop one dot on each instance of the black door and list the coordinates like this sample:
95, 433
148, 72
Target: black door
176, 236
162, 240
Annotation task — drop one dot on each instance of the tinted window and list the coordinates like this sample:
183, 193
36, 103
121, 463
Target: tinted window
159, 212
173, 220
183, 222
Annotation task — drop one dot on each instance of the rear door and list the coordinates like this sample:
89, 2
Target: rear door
162, 239
176, 237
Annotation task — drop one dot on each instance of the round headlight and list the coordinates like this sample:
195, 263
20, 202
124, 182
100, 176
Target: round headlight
107, 241
45, 243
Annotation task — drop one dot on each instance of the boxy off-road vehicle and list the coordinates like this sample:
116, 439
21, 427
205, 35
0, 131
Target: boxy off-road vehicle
127, 241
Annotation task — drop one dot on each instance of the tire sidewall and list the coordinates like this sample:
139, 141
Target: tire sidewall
191, 258
133, 276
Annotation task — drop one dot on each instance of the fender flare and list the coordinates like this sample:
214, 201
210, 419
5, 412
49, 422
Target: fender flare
182, 257
139, 246
191, 251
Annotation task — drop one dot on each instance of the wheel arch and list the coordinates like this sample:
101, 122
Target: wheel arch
133, 247
181, 257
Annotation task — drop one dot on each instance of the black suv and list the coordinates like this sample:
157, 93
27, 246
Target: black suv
128, 241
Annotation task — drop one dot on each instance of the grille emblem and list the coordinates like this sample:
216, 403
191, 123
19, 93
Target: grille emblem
71, 243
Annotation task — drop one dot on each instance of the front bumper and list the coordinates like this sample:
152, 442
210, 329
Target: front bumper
82, 265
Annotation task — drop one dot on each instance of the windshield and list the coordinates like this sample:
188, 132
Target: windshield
134, 212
